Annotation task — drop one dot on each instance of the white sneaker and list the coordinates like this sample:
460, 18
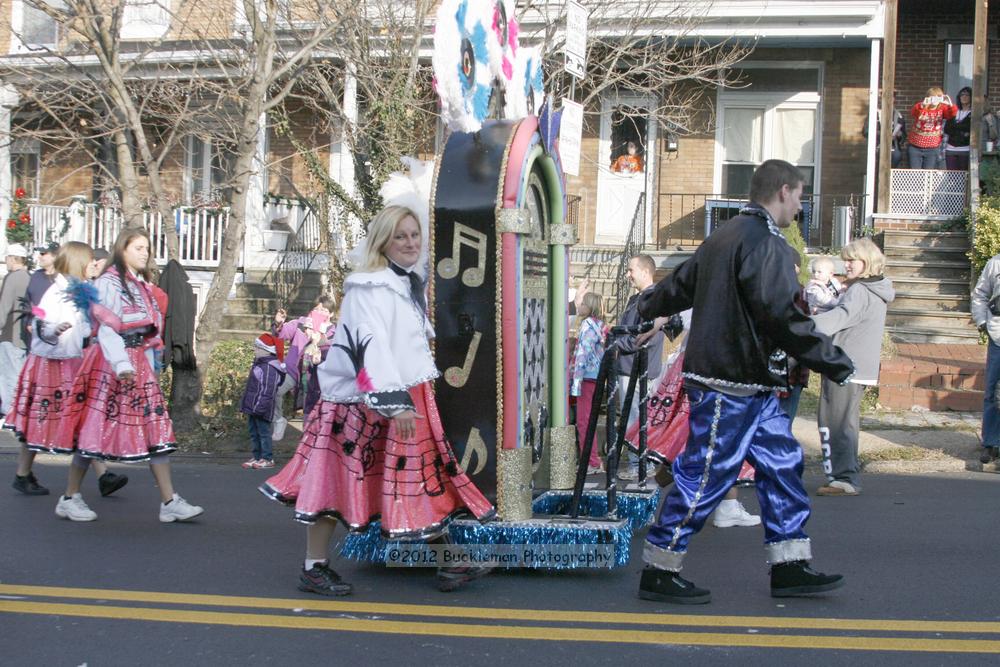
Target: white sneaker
74, 509
178, 510
731, 513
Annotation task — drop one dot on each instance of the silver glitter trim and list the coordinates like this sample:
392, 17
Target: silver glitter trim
727, 383
788, 550
663, 559
712, 438
513, 220
564, 234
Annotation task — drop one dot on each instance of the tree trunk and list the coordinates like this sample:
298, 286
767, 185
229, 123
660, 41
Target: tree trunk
185, 398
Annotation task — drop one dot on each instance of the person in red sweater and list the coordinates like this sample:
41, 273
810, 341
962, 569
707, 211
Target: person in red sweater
929, 116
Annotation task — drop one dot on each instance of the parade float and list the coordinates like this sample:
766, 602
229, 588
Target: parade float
498, 280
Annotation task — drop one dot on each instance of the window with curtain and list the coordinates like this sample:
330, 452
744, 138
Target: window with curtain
37, 27
207, 173
145, 19
752, 135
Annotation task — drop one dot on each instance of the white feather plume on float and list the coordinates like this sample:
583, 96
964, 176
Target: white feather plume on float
465, 50
532, 81
411, 189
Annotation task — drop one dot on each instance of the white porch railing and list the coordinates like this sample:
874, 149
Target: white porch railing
930, 193
199, 230
50, 222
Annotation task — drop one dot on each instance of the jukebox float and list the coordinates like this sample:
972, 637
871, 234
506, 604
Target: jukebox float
498, 284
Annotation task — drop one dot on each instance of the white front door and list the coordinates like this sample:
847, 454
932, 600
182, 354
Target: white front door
625, 167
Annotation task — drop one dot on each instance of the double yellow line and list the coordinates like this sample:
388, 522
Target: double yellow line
746, 631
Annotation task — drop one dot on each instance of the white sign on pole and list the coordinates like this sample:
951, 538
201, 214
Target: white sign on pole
570, 136
576, 39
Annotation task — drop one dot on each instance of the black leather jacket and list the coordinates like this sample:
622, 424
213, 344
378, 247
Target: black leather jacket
742, 284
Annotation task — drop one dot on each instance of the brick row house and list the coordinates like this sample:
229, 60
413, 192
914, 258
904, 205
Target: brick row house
806, 91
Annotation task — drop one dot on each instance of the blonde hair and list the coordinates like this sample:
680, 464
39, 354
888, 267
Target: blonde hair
72, 259
380, 231
592, 305
935, 91
822, 262
865, 250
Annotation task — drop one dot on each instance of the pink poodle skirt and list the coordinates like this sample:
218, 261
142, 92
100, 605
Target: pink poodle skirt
351, 465
120, 421
667, 417
42, 416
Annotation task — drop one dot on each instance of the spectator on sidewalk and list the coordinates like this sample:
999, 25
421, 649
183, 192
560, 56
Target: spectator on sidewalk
266, 375
856, 325
985, 306
641, 269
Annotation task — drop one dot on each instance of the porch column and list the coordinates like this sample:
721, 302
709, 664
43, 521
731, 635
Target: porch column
888, 85
978, 89
341, 166
8, 100
256, 219
872, 146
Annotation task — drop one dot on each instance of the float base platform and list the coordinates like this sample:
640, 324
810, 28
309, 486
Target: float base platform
550, 539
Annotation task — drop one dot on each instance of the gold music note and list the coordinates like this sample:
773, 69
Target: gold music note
448, 267
457, 376
474, 444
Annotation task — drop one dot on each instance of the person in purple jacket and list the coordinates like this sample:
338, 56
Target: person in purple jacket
298, 334
266, 375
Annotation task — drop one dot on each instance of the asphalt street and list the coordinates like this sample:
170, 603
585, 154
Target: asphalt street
919, 554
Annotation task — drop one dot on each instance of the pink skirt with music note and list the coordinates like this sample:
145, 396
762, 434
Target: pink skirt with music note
43, 404
120, 421
351, 466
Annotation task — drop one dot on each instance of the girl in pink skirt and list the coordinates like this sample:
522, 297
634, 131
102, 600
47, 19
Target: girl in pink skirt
373, 448
120, 411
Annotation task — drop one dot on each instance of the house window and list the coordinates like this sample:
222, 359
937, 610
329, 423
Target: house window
958, 57
34, 28
207, 170
25, 168
145, 19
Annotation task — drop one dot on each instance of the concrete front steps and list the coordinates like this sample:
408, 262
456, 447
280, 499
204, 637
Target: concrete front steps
259, 296
935, 377
930, 271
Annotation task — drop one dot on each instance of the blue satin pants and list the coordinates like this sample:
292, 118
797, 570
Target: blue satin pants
725, 430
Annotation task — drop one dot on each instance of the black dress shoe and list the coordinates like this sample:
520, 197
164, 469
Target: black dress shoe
29, 486
110, 482
796, 578
666, 586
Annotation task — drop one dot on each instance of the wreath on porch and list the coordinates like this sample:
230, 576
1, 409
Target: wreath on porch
19, 227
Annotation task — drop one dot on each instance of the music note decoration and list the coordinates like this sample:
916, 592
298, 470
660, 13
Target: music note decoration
448, 267
474, 445
457, 376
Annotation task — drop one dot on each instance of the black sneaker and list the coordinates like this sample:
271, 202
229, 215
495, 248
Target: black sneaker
110, 482
450, 578
796, 578
988, 455
665, 475
29, 486
320, 579
665, 586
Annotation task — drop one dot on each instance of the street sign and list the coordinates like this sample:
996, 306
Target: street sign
570, 136
576, 39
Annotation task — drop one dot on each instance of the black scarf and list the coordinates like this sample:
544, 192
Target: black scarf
416, 285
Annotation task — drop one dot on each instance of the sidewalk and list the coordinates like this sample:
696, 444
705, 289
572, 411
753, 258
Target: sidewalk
908, 442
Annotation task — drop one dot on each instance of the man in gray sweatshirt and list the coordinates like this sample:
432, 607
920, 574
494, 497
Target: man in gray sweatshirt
856, 324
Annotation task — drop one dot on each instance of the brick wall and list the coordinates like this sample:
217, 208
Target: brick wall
920, 55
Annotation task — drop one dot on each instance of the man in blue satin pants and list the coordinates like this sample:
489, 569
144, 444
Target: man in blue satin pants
741, 284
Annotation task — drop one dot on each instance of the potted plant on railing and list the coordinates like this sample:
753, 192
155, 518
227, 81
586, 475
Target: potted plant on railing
19, 227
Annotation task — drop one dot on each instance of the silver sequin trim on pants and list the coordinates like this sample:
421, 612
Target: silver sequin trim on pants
787, 551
